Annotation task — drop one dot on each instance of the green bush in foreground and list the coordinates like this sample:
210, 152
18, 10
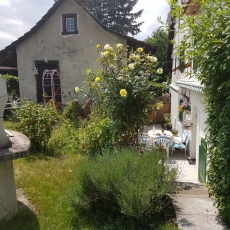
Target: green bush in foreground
129, 183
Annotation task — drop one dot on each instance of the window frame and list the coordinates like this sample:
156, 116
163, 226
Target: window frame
64, 19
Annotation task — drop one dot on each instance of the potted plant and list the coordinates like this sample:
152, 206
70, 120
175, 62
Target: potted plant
169, 126
185, 107
188, 125
174, 132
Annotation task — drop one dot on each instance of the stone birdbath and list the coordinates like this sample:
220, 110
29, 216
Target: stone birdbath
12, 146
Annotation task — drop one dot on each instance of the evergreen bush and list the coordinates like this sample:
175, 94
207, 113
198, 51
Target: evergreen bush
131, 183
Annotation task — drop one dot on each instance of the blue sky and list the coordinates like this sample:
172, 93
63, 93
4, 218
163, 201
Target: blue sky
19, 16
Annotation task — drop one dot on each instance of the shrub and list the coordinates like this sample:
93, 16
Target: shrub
121, 89
64, 139
37, 122
96, 134
130, 183
12, 85
70, 113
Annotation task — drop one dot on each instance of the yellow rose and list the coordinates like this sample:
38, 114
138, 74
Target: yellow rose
97, 79
139, 50
131, 65
110, 48
106, 53
88, 71
98, 46
131, 56
123, 92
160, 71
107, 47
119, 45
159, 105
77, 90
153, 59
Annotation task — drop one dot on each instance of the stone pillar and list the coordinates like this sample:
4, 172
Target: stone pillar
8, 200
4, 140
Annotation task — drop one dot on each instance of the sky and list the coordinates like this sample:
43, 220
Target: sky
18, 16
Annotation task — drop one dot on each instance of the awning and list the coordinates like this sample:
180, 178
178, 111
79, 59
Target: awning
191, 84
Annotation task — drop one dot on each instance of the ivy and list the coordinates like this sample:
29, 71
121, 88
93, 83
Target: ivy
210, 29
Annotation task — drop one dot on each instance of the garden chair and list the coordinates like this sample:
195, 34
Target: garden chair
181, 143
164, 142
145, 141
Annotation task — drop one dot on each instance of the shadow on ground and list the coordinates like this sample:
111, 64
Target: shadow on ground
25, 219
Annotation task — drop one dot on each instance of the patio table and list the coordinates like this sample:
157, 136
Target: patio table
153, 134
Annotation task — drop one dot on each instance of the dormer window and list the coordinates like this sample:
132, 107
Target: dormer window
69, 24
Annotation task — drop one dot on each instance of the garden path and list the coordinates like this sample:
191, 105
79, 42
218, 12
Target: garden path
193, 206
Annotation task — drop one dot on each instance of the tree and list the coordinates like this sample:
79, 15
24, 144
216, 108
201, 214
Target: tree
208, 47
159, 37
116, 15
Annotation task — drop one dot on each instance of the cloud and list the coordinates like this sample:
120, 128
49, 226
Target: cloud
18, 16
149, 16
7, 36
5, 3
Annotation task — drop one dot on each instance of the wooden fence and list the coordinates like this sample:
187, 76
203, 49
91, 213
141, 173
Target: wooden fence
157, 117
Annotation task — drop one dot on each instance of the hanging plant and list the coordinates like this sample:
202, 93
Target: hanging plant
188, 125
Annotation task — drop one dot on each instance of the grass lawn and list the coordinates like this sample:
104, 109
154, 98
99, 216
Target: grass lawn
45, 182
48, 183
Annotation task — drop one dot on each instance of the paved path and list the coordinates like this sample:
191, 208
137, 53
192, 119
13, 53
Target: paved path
194, 208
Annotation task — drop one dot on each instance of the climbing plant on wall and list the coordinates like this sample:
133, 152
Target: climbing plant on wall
210, 28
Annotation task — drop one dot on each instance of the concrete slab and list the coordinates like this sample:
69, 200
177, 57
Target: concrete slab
194, 208
197, 212
186, 170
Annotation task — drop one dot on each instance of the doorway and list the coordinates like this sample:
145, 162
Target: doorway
41, 66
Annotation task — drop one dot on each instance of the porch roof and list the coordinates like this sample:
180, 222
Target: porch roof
192, 84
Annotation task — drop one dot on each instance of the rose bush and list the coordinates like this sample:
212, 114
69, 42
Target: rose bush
121, 89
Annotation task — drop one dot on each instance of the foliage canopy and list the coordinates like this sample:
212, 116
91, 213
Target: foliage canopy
208, 45
159, 37
116, 15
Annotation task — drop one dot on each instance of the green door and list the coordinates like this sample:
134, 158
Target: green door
202, 161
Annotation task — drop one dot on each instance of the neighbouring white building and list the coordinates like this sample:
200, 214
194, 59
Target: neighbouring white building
185, 90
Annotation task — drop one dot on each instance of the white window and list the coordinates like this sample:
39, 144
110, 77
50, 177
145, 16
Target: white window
70, 25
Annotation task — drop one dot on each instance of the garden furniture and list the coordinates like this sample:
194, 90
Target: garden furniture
163, 142
154, 134
145, 140
181, 143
